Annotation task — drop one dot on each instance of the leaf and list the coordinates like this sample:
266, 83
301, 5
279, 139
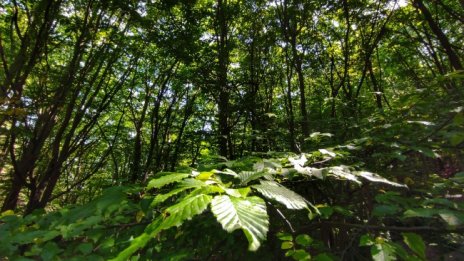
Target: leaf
325, 211
85, 248
318, 134
266, 165
416, 243
327, 152
382, 252
300, 254
452, 218
377, 178
303, 240
168, 179
298, 162
226, 172
318, 173
420, 212
160, 198
135, 245
343, 172
366, 240
275, 191
183, 185
427, 152
286, 245
385, 210
247, 176
185, 209
284, 236
322, 257
247, 214
7, 213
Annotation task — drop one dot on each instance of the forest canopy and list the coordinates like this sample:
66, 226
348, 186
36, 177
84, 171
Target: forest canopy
226, 130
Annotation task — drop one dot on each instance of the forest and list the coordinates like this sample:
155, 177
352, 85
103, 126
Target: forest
232, 130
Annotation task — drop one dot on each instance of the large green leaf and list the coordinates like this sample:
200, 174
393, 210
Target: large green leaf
415, 242
168, 179
248, 214
272, 190
343, 172
178, 213
160, 198
247, 176
185, 209
183, 185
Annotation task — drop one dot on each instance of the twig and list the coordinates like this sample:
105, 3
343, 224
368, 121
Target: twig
284, 218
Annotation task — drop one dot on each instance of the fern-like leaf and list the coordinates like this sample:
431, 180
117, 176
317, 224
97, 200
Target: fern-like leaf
272, 190
248, 214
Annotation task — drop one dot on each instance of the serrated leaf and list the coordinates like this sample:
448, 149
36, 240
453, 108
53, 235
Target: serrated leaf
273, 190
168, 179
343, 172
377, 178
248, 214
266, 165
185, 209
227, 172
416, 243
160, 198
183, 185
247, 176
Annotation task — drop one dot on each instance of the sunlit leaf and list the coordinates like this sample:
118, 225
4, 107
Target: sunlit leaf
247, 214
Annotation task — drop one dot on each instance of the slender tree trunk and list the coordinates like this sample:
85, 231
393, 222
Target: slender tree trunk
222, 85
444, 41
378, 94
188, 112
301, 85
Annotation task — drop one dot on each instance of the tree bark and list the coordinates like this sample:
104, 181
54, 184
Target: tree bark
222, 85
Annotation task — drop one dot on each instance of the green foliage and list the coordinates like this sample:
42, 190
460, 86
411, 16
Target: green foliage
383, 249
248, 214
193, 130
273, 190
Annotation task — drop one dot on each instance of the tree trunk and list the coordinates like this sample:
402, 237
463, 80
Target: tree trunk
377, 92
11, 200
222, 85
444, 42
